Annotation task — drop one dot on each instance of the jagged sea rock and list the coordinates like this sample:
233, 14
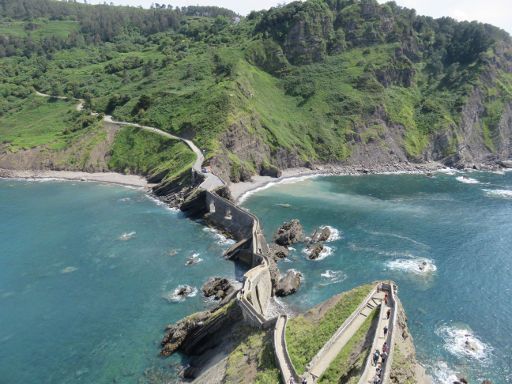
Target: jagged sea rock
315, 250
289, 283
175, 334
321, 235
278, 251
218, 287
289, 233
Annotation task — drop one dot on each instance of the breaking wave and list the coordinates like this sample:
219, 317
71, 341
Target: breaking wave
221, 239
416, 265
194, 259
181, 293
332, 277
68, 270
127, 236
467, 180
461, 342
499, 193
287, 180
444, 374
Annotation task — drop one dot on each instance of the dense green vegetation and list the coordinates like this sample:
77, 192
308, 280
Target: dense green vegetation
39, 121
141, 152
350, 362
305, 335
307, 82
253, 360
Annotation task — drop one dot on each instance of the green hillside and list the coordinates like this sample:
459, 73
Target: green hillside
321, 81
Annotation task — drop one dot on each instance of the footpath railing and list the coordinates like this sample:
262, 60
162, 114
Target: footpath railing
283, 359
390, 337
319, 356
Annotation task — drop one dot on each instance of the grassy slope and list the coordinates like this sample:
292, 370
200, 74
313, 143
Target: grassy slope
255, 350
305, 337
38, 122
342, 367
141, 152
42, 28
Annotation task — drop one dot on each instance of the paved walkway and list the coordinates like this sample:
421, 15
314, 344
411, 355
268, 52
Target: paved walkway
326, 356
210, 182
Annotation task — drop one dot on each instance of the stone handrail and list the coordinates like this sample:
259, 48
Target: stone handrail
341, 329
389, 339
284, 362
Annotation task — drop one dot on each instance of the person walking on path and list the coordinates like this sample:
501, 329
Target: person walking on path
385, 330
384, 356
386, 299
376, 355
385, 347
388, 313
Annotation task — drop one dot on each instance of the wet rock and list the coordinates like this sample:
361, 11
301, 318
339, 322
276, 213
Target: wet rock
278, 251
321, 235
218, 287
289, 233
175, 334
315, 250
289, 283
184, 291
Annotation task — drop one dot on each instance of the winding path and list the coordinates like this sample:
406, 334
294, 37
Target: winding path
210, 181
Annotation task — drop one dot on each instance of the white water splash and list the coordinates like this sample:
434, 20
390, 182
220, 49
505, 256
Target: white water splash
194, 259
127, 236
332, 277
68, 270
462, 342
419, 266
444, 374
335, 233
467, 180
180, 293
499, 193
222, 240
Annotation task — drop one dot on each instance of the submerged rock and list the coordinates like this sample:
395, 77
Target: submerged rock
218, 287
289, 283
289, 233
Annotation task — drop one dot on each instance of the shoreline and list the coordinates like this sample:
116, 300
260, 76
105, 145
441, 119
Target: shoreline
98, 177
240, 191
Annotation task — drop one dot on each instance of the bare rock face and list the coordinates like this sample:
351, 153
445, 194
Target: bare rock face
218, 287
321, 235
289, 283
175, 334
278, 251
270, 170
289, 233
315, 250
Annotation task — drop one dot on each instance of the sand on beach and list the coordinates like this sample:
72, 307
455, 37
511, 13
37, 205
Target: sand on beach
102, 177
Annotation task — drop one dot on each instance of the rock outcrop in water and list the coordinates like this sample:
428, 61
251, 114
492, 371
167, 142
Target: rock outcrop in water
321, 235
278, 251
218, 287
289, 233
315, 250
289, 283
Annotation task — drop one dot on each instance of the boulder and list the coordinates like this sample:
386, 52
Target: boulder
315, 250
278, 251
218, 287
289, 233
289, 283
321, 235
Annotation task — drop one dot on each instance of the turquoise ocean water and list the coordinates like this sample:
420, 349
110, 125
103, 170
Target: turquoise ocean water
460, 225
87, 273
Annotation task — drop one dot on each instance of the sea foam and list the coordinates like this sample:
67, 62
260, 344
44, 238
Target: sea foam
467, 180
127, 236
461, 342
175, 297
499, 193
326, 252
418, 266
332, 277
221, 239
335, 233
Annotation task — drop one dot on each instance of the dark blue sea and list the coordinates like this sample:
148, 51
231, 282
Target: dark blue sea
446, 241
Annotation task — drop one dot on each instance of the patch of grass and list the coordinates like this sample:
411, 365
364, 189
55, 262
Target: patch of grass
38, 122
141, 152
345, 368
254, 357
39, 28
305, 337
